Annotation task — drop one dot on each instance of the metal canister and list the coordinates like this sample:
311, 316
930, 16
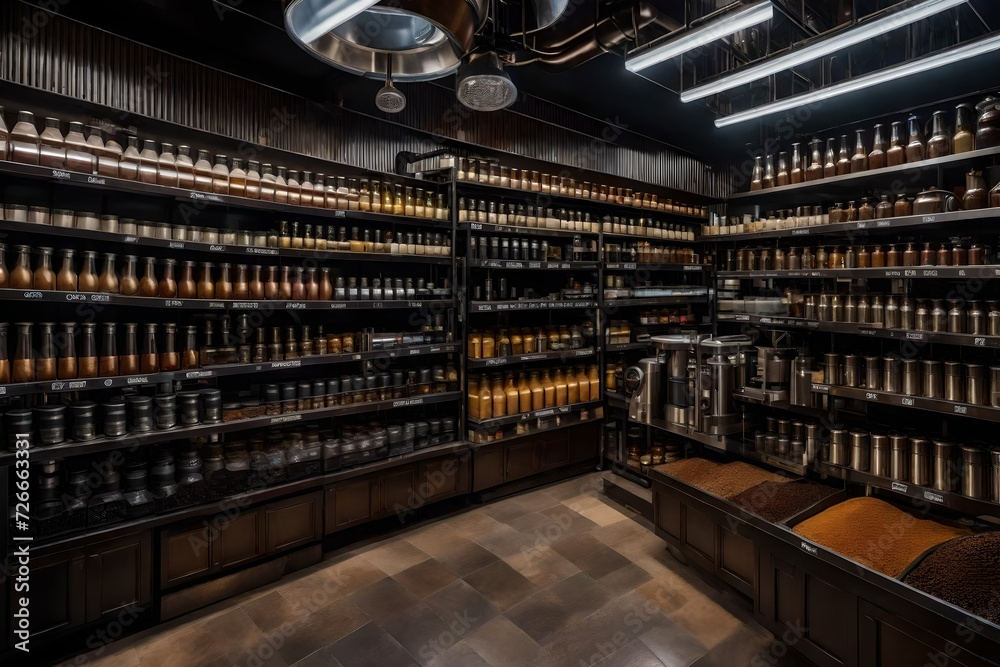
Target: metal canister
860, 451
892, 374
993, 317
995, 475
995, 386
784, 446
881, 455
891, 313
907, 314
833, 373
899, 462
977, 318
911, 377
784, 427
852, 370
954, 388
873, 373
758, 441
811, 312
973, 472
975, 384
957, 321
850, 308
823, 308
838, 447
836, 308
933, 381
863, 311
876, 314
814, 444
922, 316
920, 461
944, 466
770, 443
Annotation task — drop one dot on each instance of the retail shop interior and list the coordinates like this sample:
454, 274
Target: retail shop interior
284, 285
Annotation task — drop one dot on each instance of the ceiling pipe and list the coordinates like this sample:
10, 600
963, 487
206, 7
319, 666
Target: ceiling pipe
597, 39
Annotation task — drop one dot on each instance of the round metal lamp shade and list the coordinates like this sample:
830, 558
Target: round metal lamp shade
483, 85
426, 38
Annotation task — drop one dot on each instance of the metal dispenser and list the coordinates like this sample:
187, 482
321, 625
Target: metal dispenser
720, 368
644, 383
772, 376
678, 354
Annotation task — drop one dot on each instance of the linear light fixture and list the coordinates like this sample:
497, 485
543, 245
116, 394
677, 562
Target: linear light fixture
671, 46
968, 50
863, 31
311, 19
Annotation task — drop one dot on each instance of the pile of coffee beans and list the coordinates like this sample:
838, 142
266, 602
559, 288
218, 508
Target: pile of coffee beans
964, 572
778, 501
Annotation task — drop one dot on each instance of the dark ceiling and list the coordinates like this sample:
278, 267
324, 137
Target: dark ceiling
246, 37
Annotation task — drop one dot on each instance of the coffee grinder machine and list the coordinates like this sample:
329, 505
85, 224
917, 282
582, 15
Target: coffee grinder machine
643, 383
720, 373
770, 370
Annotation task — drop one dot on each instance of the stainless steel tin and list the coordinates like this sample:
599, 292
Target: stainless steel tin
873, 373
87, 220
860, 451
911, 377
881, 455
128, 226
954, 387
995, 386
852, 370
161, 230
38, 215
933, 380
995, 475
973, 472
920, 461
180, 232
838, 447
109, 223
944, 465
892, 374
899, 462
62, 217
146, 229
975, 384
832, 371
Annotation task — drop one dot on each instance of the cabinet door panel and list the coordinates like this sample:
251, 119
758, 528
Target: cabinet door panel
667, 514
185, 555
348, 504
118, 575
397, 491
241, 540
58, 593
443, 477
699, 537
294, 522
554, 454
488, 467
737, 560
521, 461
831, 619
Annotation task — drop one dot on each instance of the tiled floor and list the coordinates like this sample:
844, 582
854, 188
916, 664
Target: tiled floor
559, 576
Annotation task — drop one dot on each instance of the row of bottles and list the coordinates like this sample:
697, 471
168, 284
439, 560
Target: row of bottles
898, 312
975, 128
67, 351
644, 252
953, 253
516, 341
490, 173
532, 250
176, 167
214, 281
495, 396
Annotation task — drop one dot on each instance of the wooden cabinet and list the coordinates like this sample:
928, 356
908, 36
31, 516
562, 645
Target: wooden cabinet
185, 555
500, 463
887, 640
820, 613
349, 504
240, 541
294, 522
75, 587
398, 492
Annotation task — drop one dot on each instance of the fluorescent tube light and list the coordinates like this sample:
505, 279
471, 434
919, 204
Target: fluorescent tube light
670, 46
311, 19
969, 50
863, 31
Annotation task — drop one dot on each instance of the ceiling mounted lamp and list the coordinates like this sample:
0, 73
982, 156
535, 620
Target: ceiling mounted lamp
425, 38
390, 99
948, 57
482, 83
870, 28
673, 45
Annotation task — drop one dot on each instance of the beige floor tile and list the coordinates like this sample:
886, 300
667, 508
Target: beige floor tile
707, 622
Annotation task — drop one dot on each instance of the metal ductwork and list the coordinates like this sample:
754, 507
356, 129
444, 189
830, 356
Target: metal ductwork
594, 40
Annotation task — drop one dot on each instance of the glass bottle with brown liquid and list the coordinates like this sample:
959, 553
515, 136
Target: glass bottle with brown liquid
23, 368
237, 179
272, 290
896, 154
185, 168
187, 288
844, 161
797, 173
147, 284
87, 280
298, 286
66, 346
859, 161
129, 284
815, 170
782, 177
768, 181
166, 166
537, 391
4, 360
190, 356
594, 375
88, 363
220, 176
149, 362
203, 176
44, 277
523, 393
325, 285
915, 145
148, 159
108, 363
472, 397
830, 163
513, 406
292, 188
499, 397
877, 159
167, 287
21, 276
965, 127
46, 363
253, 180
241, 286
170, 360
128, 168
224, 285
66, 280
549, 388
939, 145
256, 285
128, 360
206, 288
267, 183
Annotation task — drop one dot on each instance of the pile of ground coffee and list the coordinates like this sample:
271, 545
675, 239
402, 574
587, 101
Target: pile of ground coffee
692, 471
964, 572
778, 501
733, 479
876, 534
